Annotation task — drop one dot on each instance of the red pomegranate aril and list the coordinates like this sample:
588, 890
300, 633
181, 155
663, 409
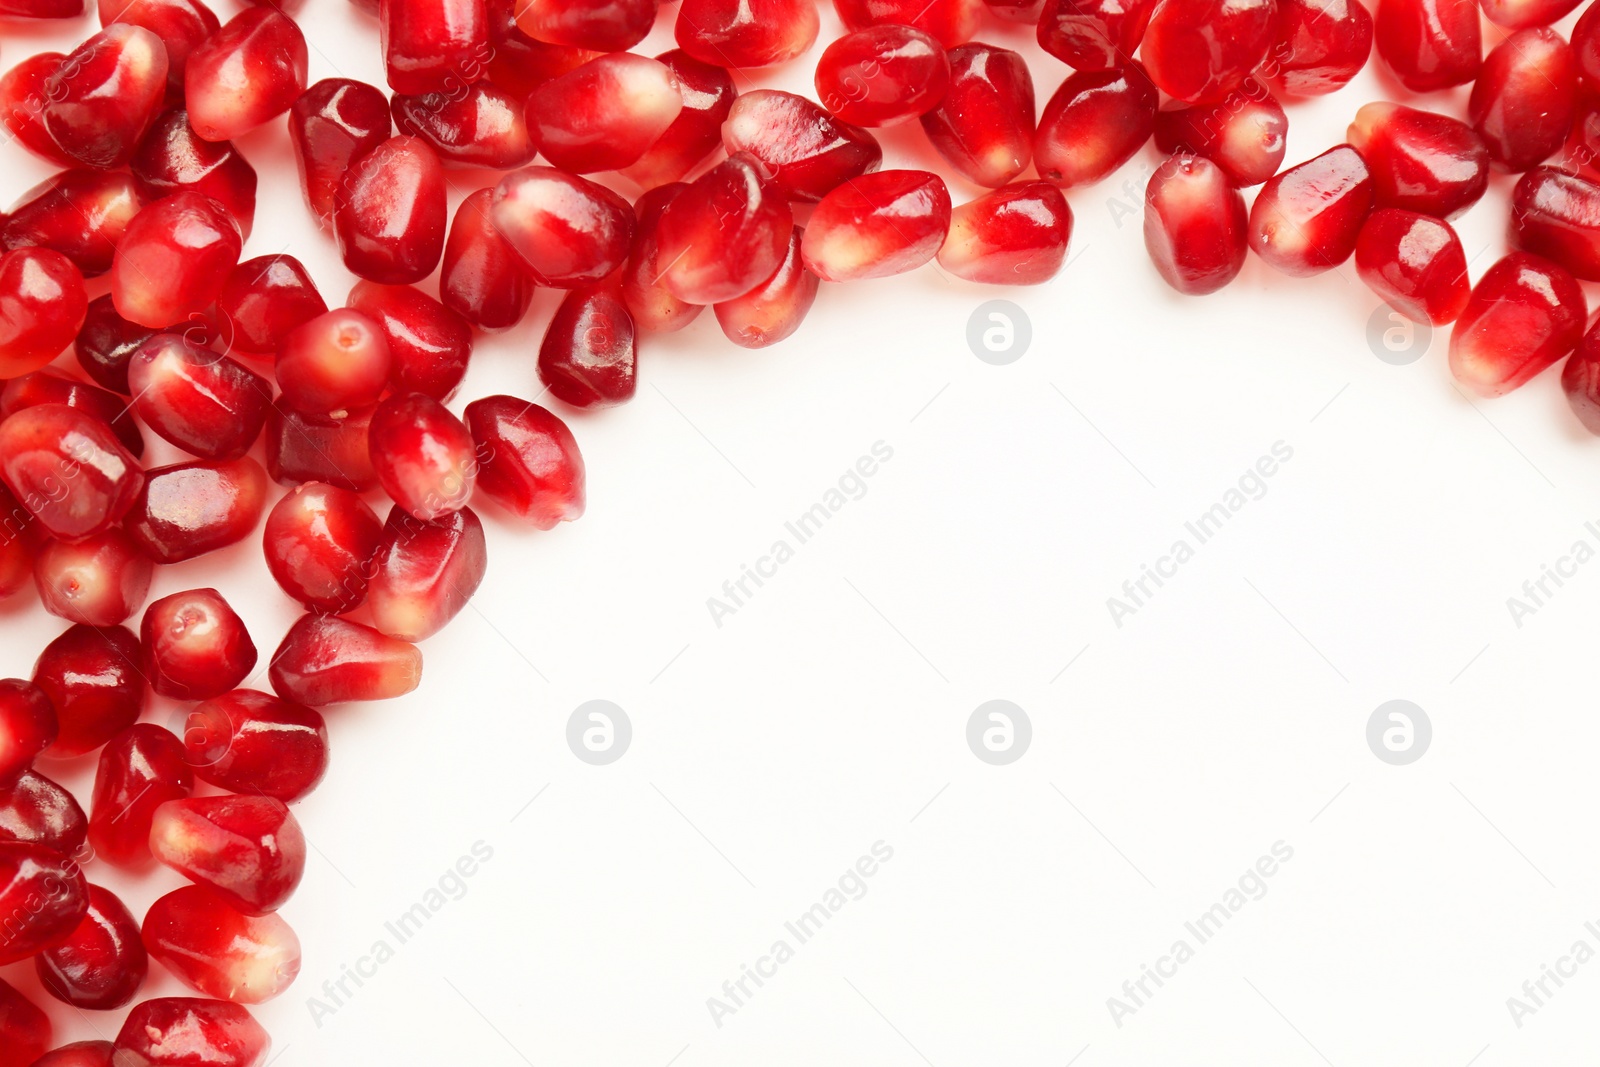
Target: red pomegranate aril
1199, 51
1525, 98
1586, 44
1195, 225
174, 259
27, 727
35, 810
1416, 263
804, 152
1421, 161
328, 660
99, 101
433, 46
746, 33
882, 75
1318, 46
25, 1031
984, 127
51, 386
99, 581
1524, 314
652, 307
1557, 215
528, 460
264, 299
219, 951
613, 26
569, 230
106, 342
483, 279
1307, 219
708, 94
92, 678
878, 225
521, 64
190, 1032
320, 541
189, 509
22, 96
1093, 34
1521, 14
588, 357
429, 345
41, 9
42, 306
337, 362
1246, 135
246, 74
253, 743
1093, 124
1580, 380
304, 449
181, 25
1017, 235
42, 895
478, 125
78, 1054
101, 964
950, 22
81, 213
335, 122
249, 850
195, 645
605, 114
422, 454
390, 212
424, 573
173, 158
68, 469
140, 769
724, 235
209, 405
1429, 44
773, 310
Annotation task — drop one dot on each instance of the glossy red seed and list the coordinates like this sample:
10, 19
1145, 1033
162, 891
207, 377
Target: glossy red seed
106, 342
140, 769
209, 405
42, 305
264, 299
746, 33
1557, 216
429, 345
1524, 314
101, 964
42, 9
1093, 34
1199, 51
433, 46
253, 743
335, 122
773, 310
27, 727
1520, 14
478, 125
320, 541
708, 94
42, 895
195, 645
950, 22
219, 951
1307, 219
25, 1031
181, 25
173, 158
303, 449
174, 259
1525, 98
483, 279
336, 363
606, 113
588, 357
249, 850
1416, 263
422, 455
78, 1054
1093, 124
35, 810
390, 212
614, 26
424, 573
1429, 44
246, 74
724, 235
81, 213
1580, 380
570, 230
882, 75
1421, 161
99, 101
328, 660
984, 127
189, 509
1317, 47
652, 307
1246, 135
100, 581
191, 1032
22, 99
804, 152
68, 469
528, 461
1586, 44
1194, 225
51, 386
1017, 235
521, 64
882, 224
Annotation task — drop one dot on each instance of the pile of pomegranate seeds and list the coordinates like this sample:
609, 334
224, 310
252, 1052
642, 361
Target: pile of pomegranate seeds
742, 201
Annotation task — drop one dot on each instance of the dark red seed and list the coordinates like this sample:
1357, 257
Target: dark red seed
25, 1031
35, 810
189, 509
423, 455
1199, 51
320, 541
1093, 34
195, 645
264, 299
1525, 98
328, 660
81, 213
483, 279
209, 405
588, 357
878, 225
1093, 124
191, 1032
477, 125
1524, 314
708, 94
984, 127
246, 74
78, 1054
42, 306
1557, 216
173, 158
1318, 46
67, 469
520, 64
390, 213
99, 581
99, 101
304, 449
249, 850
174, 259
1017, 235
434, 46
101, 964
429, 345
1580, 380
106, 342
51, 386
27, 727
1246, 135
335, 122
254, 743
1421, 161
804, 152
528, 460
1307, 219
951, 22
424, 573
615, 26
746, 33
882, 75
1429, 44
43, 897
569, 230
1416, 263
773, 310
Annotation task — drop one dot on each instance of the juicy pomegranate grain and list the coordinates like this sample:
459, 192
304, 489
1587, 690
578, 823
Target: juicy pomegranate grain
1017, 235
328, 660
81, 213
1429, 44
99, 101
1557, 216
605, 114
1580, 380
337, 362
773, 310
1307, 219
1586, 44
588, 356
1194, 225
189, 509
390, 212
1199, 51
1318, 46
1521, 14
320, 541
1093, 34
78, 1054
433, 46
1093, 124
521, 64
195, 646
335, 122
653, 308
569, 230
42, 306
950, 22
477, 125
215, 949
429, 345
100, 581
425, 572
804, 152
422, 455
528, 461
303, 449
209, 405
724, 235
101, 964
483, 279
878, 225
708, 94
106, 342
1523, 315
140, 769
1525, 98
1246, 135
1421, 161
174, 259
984, 127
24, 1030
22, 92
264, 299
1416, 263
882, 75
615, 26
27, 726
92, 679
254, 743
746, 33
249, 850
173, 158
50, 386
35, 810
190, 1032
43, 896
181, 25
67, 469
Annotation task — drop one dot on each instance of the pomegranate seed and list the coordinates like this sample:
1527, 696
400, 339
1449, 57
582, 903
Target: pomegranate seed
475, 126
140, 769
254, 743
1094, 124
1017, 235
68, 469
304, 449
1090, 35
881, 224
1022, 12
181, 25
1586, 45
882, 75
101, 964
328, 660
708, 94
528, 461
42, 9
429, 345
82, 214
1523, 315
50, 386
100, 581
651, 306
1557, 216
42, 305
99, 100
568, 229
264, 299
1420, 161
25, 1031
246, 74
521, 64
106, 342
320, 541
1308, 219
984, 127
425, 572
249, 850
746, 33
337, 361
483, 279
605, 114
195, 645
1194, 225
43, 896
22, 97
1415, 262
212, 948
724, 235
1246, 136
1429, 44
950, 22
422, 454
1525, 98
433, 46
1318, 46
804, 152
773, 310
1521, 14
78, 1054
27, 725
174, 259
191, 1032
173, 158
336, 122
588, 356
609, 27
1580, 380
35, 810
1199, 51
209, 405
189, 509
390, 213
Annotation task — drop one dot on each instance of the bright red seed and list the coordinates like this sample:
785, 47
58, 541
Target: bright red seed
570, 230
528, 461
390, 212
303, 449
746, 33
42, 306
882, 75
78, 1054
478, 125
724, 235
1246, 135
1557, 216
80, 213
1524, 314
249, 850
1194, 225
950, 22
1525, 98
92, 678
588, 356
773, 310
1586, 43
483, 279
1580, 380
51, 386
43, 896
42, 9
1430, 44
1017, 235
264, 299
174, 259
195, 646
429, 345
433, 46
1199, 51
217, 950
27, 725
521, 64
35, 810
1093, 34
335, 122
319, 542
653, 308
22, 92
1093, 124
100, 581
255, 744
610, 27
337, 362
68, 469
984, 127
191, 1032
1520, 14
605, 114
878, 225
140, 769
101, 964
1318, 46
99, 101
209, 405
1416, 263
181, 25
425, 572
422, 454
708, 94
1307, 219
173, 158
1421, 161
328, 660
189, 509
803, 151
24, 1029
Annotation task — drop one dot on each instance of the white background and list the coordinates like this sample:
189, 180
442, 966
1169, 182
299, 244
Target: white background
830, 712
